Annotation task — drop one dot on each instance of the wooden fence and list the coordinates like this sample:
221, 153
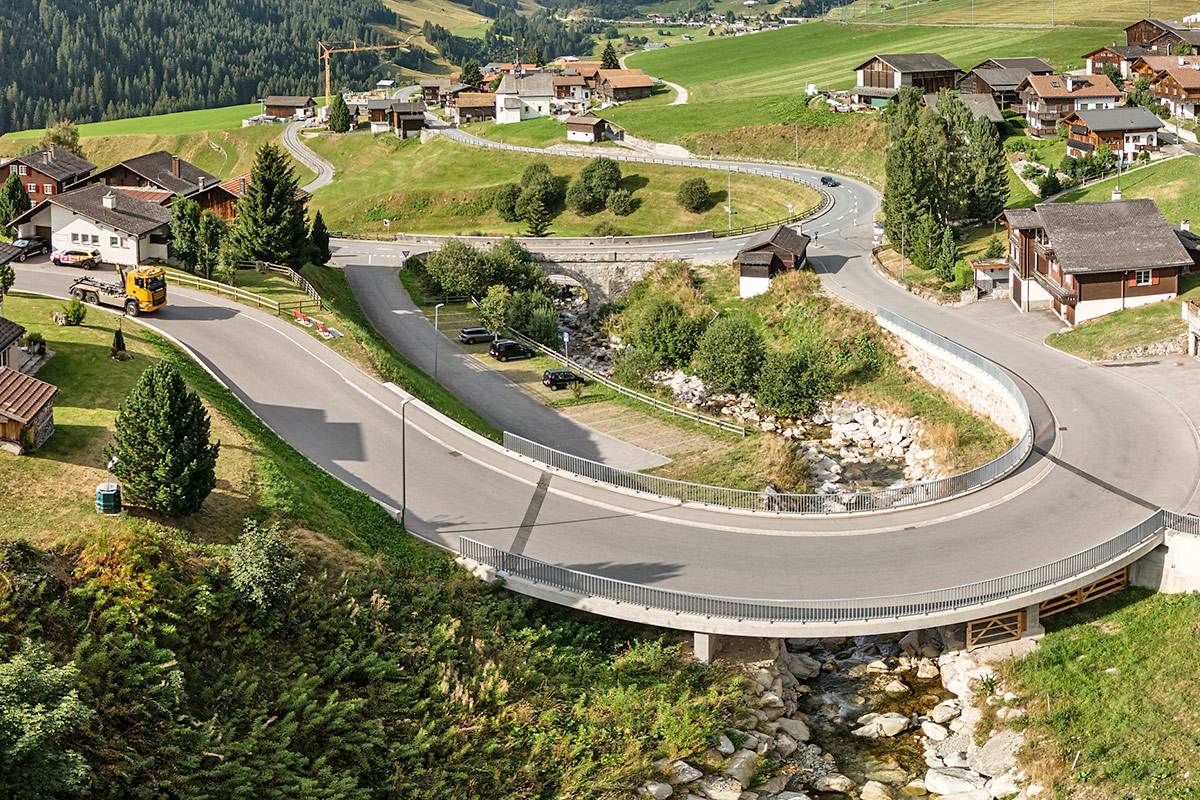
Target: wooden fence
243, 296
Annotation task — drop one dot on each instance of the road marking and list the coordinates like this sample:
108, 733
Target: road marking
531, 514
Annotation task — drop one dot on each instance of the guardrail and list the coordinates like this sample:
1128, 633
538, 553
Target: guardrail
864, 609
811, 504
291, 274
250, 298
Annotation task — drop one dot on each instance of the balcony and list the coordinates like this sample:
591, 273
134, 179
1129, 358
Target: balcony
1059, 293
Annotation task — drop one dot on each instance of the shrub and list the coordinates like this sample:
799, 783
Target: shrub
264, 565
161, 445
1049, 185
606, 228
505, 201
34, 342
636, 366
544, 191
995, 248
964, 275
665, 327
729, 355
535, 172
694, 195
118, 345
620, 202
75, 311
582, 200
792, 383
602, 175
1032, 172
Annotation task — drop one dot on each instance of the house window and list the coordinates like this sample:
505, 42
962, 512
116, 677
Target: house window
112, 241
31, 188
21, 169
95, 238
47, 188
74, 238
1144, 277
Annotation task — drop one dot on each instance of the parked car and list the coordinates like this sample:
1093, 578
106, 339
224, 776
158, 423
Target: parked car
560, 379
475, 335
78, 256
828, 181
30, 246
505, 349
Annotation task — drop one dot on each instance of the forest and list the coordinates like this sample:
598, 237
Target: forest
89, 60
511, 33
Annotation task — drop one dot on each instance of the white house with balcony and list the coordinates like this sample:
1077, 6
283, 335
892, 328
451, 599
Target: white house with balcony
522, 97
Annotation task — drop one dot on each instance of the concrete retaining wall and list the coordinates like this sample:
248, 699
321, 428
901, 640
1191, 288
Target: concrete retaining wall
979, 391
1172, 568
565, 242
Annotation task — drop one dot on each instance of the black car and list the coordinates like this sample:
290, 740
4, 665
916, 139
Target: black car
30, 246
560, 379
475, 335
828, 181
505, 349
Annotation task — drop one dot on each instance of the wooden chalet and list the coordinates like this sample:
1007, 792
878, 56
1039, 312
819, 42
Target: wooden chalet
474, 107
981, 106
430, 88
880, 77
10, 336
46, 172
406, 119
622, 88
169, 172
1050, 98
287, 106
1152, 66
1128, 132
26, 410
1120, 56
1146, 31
1178, 88
1000, 83
1034, 66
765, 255
585, 128
448, 95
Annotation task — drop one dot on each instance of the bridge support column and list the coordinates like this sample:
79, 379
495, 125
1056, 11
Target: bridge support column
704, 647
1033, 621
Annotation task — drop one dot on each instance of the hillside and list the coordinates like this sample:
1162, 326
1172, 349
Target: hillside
1087, 13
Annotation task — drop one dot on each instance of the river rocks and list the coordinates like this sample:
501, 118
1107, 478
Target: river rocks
974, 794
945, 711
659, 791
998, 755
724, 745
678, 772
720, 787
743, 767
803, 666
952, 780
785, 745
874, 726
934, 731
897, 687
874, 790
834, 782
794, 728
927, 670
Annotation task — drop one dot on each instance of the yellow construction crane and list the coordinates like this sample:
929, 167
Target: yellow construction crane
325, 50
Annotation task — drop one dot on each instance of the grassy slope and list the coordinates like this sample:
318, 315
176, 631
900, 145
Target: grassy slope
443, 186
1091, 13
1174, 185
227, 118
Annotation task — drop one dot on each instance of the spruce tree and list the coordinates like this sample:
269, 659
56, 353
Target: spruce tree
270, 223
471, 76
947, 256
608, 57
318, 240
989, 172
161, 445
537, 220
339, 114
535, 56
14, 201
118, 345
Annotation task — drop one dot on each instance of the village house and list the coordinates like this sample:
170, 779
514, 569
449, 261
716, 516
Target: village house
125, 229
1001, 84
170, 173
1034, 66
1085, 260
1178, 88
1120, 56
406, 119
289, 106
379, 114
572, 87
448, 95
474, 107
1050, 98
47, 171
522, 97
237, 187
1127, 132
585, 128
765, 255
1145, 32
430, 88
26, 410
1152, 66
879, 78
623, 88
10, 337
980, 105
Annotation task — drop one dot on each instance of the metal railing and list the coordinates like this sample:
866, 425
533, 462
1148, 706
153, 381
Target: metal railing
847, 502
293, 276
864, 609
250, 298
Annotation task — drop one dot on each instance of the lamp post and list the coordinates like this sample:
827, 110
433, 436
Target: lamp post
436, 342
403, 463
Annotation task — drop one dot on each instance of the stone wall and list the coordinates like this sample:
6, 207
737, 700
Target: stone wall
605, 276
982, 393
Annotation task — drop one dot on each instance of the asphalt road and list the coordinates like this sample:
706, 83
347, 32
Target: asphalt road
317, 163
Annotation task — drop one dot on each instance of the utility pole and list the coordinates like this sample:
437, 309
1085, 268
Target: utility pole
729, 199
902, 243
1051, 13
797, 127
972, 12
437, 340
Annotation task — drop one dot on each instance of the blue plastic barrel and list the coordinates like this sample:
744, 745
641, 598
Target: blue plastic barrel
108, 498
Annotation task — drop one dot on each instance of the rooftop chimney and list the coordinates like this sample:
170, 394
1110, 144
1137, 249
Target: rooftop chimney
175, 166
201, 181
1185, 224
47, 155
1182, 61
1070, 83
110, 200
242, 185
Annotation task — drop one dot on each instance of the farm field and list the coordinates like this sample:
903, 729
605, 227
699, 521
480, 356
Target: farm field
1087, 13
446, 187
227, 118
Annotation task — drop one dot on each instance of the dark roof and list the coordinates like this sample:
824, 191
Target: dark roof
1163, 24
980, 105
129, 214
408, 109
156, 168
378, 104
1189, 240
9, 333
430, 83
1127, 52
7, 251
540, 84
290, 100
1002, 79
874, 91
780, 236
1131, 118
913, 62
22, 396
1111, 236
59, 164
1034, 65
1022, 218
453, 88
755, 258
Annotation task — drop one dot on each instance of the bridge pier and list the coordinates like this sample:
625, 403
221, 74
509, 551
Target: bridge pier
704, 647
1033, 621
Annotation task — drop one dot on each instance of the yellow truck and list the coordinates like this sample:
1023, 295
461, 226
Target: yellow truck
140, 290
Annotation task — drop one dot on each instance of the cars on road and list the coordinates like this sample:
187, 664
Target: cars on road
828, 181
504, 349
76, 256
475, 335
560, 379
30, 246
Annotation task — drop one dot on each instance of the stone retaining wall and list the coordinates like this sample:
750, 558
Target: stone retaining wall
605, 276
979, 391
531, 243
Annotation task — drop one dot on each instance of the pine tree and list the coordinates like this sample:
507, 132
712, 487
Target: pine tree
163, 454
947, 256
118, 345
270, 223
471, 76
537, 220
318, 239
339, 114
14, 201
608, 57
535, 55
988, 166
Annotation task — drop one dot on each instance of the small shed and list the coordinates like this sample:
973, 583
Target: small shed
991, 276
766, 254
283, 106
10, 335
585, 128
26, 410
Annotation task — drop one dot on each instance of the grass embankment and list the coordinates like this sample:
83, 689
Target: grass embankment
388, 672
226, 118
1174, 185
1111, 698
446, 187
1086, 13
538, 132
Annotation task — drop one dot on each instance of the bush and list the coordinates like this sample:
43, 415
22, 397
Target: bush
582, 200
964, 275
792, 383
606, 228
602, 175
536, 172
161, 445
118, 345
620, 203
995, 248
665, 327
505, 201
75, 311
264, 565
34, 342
694, 195
1049, 185
544, 191
1032, 172
636, 366
729, 355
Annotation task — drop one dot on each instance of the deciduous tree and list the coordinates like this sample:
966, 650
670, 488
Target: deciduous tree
63, 134
694, 195
729, 355
264, 565
793, 382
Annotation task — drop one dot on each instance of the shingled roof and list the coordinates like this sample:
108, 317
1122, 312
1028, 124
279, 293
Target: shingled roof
1111, 236
780, 236
1034, 65
23, 396
288, 100
980, 105
157, 168
129, 214
10, 332
59, 164
1003, 79
913, 62
1132, 118
537, 85
1052, 86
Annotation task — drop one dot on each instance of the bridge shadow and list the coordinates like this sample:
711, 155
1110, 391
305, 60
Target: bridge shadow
197, 313
308, 430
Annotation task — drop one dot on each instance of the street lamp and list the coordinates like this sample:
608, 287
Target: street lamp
403, 463
436, 342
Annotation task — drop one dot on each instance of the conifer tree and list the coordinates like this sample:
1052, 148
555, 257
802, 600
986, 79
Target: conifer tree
318, 240
989, 172
471, 76
270, 224
161, 447
535, 56
947, 256
14, 201
339, 114
537, 220
608, 57
185, 231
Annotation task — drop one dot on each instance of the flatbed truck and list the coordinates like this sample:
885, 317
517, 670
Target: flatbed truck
139, 291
